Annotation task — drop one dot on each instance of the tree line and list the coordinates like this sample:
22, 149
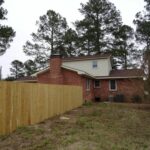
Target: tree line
100, 31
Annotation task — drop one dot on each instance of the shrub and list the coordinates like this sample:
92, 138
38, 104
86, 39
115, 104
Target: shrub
136, 99
119, 98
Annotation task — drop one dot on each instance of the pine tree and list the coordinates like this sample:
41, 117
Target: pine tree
100, 20
70, 43
142, 22
85, 37
50, 34
6, 33
30, 67
17, 69
123, 48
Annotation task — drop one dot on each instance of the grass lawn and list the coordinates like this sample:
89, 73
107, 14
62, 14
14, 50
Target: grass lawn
99, 126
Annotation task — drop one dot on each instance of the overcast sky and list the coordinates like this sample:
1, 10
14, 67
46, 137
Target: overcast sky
22, 15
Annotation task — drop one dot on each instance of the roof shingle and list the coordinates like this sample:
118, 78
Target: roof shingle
28, 78
88, 57
127, 73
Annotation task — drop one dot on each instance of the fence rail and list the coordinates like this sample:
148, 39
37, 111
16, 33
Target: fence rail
29, 103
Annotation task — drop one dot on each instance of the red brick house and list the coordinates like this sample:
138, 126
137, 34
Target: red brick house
94, 74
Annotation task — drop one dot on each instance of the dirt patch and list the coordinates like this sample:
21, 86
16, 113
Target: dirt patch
82, 145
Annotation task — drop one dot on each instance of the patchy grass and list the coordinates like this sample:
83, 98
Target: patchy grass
100, 126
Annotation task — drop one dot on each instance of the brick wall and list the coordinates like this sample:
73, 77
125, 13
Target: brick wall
69, 78
88, 94
59, 75
72, 78
131, 87
44, 77
127, 87
56, 76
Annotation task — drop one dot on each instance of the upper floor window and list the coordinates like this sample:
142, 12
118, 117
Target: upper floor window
97, 84
94, 64
112, 85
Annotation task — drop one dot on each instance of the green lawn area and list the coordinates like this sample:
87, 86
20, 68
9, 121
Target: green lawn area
99, 126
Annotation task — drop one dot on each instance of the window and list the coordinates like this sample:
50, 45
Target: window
94, 64
88, 84
112, 85
97, 84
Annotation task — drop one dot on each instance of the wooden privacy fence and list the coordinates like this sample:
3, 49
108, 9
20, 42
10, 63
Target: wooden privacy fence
24, 103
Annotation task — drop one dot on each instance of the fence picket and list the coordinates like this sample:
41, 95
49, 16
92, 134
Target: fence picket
26, 103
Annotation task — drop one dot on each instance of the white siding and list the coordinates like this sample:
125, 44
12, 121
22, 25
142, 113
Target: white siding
103, 66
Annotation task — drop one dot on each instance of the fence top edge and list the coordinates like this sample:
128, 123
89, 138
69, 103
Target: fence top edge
39, 84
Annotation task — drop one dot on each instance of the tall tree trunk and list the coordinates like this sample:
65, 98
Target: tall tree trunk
125, 57
88, 47
148, 61
125, 62
97, 34
16, 72
52, 43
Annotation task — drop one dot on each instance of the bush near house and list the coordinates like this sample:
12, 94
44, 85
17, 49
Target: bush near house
136, 98
119, 98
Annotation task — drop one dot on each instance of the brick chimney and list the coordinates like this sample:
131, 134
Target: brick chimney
56, 76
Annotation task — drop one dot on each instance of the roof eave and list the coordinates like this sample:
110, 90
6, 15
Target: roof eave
26, 81
40, 72
81, 59
129, 77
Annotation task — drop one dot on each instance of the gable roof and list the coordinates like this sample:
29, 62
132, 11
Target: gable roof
80, 72
114, 74
41, 71
28, 78
126, 73
88, 57
79, 58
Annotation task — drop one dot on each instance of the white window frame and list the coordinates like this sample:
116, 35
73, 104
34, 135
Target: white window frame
110, 85
94, 64
88, 84
99, 84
